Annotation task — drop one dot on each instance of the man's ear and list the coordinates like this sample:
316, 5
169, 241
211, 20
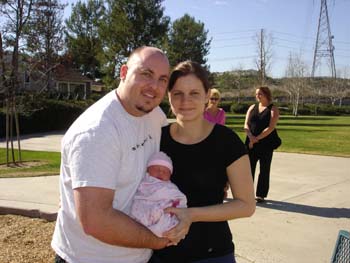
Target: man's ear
123, 72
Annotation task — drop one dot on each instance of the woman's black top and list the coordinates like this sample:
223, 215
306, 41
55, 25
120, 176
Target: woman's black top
258, 122
200, 173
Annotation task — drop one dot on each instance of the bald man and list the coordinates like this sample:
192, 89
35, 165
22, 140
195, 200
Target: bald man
103, 159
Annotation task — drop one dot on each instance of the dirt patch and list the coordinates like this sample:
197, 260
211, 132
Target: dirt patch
23, 170
25, 240
26, 174
28, 164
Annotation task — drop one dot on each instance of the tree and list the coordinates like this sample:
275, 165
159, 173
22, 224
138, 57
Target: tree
44, 37
82, 36
225, 81
231, 81
236, 83
264, 54
16, 14
129, 24
2, 67
188, 40
336, 90
340, 88
295, 81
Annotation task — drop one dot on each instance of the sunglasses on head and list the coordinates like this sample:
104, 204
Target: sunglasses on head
215, 99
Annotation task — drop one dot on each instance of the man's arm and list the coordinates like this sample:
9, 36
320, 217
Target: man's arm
99, 219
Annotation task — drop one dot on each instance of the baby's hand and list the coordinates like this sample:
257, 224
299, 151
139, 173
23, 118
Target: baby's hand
176, 203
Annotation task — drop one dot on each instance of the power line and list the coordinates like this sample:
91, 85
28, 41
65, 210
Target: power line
238, 45
253, 57
232, 38
293, 48
231, 58
301, 46
287, 40
308, 37
234, 32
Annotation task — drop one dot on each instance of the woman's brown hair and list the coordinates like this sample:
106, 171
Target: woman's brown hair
266, 91
186, 68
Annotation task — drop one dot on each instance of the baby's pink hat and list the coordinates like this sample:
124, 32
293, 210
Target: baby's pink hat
160, 158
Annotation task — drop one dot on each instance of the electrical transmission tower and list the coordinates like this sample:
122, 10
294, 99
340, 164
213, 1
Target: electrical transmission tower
324, 48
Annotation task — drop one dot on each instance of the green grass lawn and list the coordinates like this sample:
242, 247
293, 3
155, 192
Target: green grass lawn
304, 134
324, 135
35, 163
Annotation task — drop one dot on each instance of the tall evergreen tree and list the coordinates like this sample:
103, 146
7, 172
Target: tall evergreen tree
188, 40
127, 25
82, 35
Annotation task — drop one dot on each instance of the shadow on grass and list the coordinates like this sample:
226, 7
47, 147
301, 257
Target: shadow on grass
301, 118
329, 212
313, 124
279, 128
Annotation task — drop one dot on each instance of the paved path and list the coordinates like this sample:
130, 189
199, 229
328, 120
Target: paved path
309, 202
49, 142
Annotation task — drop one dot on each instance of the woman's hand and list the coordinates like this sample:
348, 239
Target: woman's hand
251, 145
253, 139
181, 229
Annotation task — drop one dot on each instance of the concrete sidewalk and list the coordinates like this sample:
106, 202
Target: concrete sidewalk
49, 142
309, 202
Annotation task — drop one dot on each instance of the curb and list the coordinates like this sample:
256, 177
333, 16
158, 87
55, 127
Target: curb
33, 213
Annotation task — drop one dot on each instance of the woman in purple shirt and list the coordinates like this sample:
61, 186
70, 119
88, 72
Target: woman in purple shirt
213, 113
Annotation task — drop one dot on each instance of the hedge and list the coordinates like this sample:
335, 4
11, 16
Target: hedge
43, 115
46, 115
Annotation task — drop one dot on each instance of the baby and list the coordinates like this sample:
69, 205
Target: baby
155, 193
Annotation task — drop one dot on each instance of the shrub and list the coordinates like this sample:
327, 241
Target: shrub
225, 105
165, 106
240, 108
42, 115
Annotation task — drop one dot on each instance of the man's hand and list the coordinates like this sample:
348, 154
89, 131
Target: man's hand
99, 219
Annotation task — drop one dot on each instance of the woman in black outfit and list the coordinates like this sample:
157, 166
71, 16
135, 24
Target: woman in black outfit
205, 157
261, 120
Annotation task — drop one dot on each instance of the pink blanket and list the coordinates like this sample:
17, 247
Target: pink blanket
151, 198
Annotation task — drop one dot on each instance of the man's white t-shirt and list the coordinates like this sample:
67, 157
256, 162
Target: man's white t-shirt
109, 148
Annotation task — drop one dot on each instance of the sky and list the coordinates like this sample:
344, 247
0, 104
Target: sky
234, 24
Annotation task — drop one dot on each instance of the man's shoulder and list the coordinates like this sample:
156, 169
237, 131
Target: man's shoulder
98, 120
157, 117
157, 111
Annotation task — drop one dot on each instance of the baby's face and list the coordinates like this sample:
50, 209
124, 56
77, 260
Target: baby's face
160, 172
